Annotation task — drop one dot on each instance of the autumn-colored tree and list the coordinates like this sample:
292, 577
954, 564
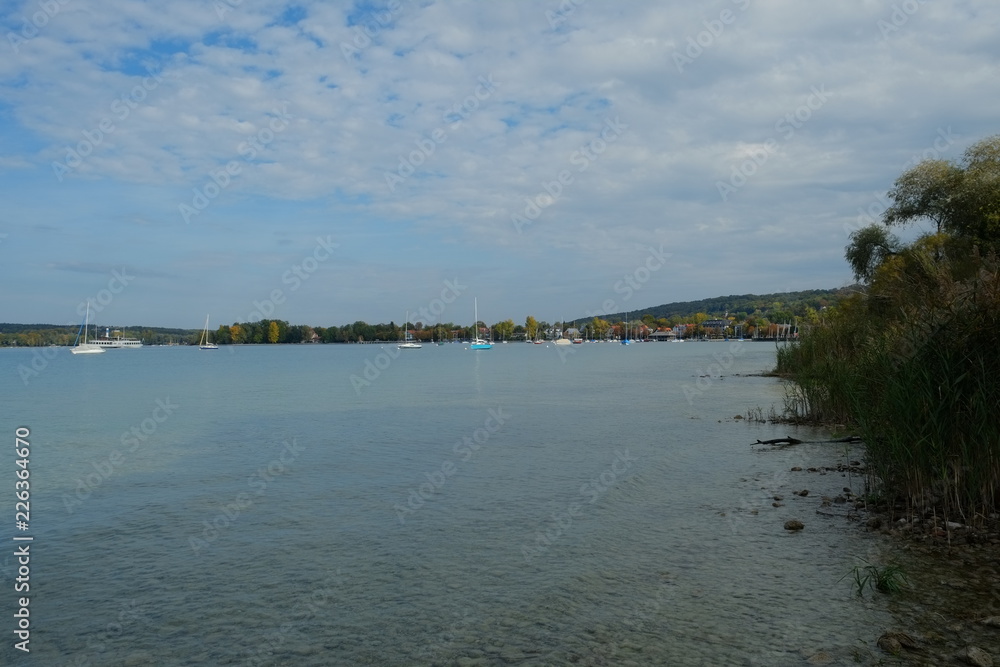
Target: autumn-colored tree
599, 327
273, 332
531, 327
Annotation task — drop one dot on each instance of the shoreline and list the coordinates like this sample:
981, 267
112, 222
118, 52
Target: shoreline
948, 608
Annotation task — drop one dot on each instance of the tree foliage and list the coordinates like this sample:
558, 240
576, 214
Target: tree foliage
870, 246
531, 327
912, 360
962, 199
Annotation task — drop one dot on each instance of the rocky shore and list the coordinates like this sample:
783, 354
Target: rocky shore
948, 608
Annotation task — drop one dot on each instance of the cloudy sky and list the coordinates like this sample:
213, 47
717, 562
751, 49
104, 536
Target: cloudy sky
325, 162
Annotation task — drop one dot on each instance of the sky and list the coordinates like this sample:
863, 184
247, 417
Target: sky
327, 162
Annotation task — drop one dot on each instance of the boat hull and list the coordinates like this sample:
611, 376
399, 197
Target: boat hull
87, 349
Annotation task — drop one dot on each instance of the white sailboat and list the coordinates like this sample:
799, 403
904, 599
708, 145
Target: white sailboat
205, 344
85, 347
477, 342
408, 343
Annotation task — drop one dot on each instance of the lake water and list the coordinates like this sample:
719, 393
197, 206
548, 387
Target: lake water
361, 505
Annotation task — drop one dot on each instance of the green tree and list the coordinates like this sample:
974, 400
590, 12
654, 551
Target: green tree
928, 190
962, 199
503, 330
869, 248
223, 336
531, 327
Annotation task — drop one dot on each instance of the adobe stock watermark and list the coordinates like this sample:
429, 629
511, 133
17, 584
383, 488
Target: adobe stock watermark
565, 9
627, 286
258, 482
131, 440
872, 213
705, 378
581, 158
786, 127
116, 285
221, 178
42, 357
900, 16
432, 312
714, 28
121, 108
632, 282
465, 448
40, 360
427, 145
375, 366
295, 277
593, 489
47, 10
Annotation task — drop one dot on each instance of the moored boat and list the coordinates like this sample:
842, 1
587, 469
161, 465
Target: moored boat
107, 341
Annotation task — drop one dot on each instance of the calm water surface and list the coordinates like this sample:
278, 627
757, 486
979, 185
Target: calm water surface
359, 505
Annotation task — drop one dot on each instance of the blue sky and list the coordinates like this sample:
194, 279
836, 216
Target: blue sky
332, 162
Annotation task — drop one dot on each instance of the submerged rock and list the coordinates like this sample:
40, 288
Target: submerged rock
794, 524
889, 644
977, 657
894, 642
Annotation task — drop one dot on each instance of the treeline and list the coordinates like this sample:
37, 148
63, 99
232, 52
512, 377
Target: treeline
747, 315
913, 360
777, 307
35, 335
750, 315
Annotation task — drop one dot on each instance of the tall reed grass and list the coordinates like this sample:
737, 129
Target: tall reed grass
914, 365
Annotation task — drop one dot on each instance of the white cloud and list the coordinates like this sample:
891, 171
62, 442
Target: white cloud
407, 90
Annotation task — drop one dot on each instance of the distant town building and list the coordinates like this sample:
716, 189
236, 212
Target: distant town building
663, 334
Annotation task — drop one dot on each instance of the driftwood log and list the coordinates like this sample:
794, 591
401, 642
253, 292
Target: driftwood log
796, 441
780, 441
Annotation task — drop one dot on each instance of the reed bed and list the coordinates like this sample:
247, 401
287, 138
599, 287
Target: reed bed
914, 365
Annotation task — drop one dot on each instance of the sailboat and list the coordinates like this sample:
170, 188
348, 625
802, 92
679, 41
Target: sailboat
477, 342
85, 347
205, 344
408, 343
625, 340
